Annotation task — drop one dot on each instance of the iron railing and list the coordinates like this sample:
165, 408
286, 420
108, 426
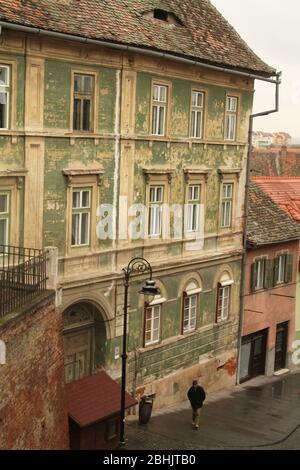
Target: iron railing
22, 276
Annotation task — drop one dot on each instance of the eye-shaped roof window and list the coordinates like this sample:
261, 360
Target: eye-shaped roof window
163, 15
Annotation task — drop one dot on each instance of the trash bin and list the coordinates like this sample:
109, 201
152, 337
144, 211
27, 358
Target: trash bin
145, 408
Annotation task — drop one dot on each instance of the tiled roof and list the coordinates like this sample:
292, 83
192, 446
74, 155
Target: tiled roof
268, 223
94, 399
204, 33
284, 191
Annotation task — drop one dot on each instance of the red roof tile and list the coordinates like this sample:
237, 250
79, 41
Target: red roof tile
94, 399
267, 222
284, 191
202, 33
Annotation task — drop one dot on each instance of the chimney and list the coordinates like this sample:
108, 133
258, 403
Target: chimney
283, 152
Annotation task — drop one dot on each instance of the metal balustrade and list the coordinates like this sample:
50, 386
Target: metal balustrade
22, 276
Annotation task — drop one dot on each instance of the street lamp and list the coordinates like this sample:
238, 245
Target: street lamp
149, 290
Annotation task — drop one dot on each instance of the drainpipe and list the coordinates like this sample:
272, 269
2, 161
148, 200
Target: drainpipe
246, 214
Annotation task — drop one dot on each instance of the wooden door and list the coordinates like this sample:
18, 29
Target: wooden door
253, 355
78, 347
281, 346
259, 354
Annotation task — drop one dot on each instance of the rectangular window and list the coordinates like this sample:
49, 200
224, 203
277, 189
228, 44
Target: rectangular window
155, 210
83, 102
4, 96
159, 109
223, 303
197, 114
152, 325
194, 195
189, 313
231, 117
281, 269
260, 274
81, 214
4, 218
226, 208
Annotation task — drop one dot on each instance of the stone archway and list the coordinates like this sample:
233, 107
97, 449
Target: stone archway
84, 340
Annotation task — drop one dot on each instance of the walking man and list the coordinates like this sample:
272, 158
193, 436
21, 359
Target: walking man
196, 395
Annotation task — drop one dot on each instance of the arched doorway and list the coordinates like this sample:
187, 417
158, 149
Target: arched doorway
84, 338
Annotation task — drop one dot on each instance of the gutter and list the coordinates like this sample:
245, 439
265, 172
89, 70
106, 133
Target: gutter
133, 49
246, 215
253, 246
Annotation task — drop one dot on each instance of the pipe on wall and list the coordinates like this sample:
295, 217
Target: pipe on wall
246, 214
137, 50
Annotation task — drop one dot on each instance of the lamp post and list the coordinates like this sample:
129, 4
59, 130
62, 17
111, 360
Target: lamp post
141, 266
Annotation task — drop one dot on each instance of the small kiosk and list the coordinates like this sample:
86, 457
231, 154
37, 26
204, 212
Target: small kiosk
94, 412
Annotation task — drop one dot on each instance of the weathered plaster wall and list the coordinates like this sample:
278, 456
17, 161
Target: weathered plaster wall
96, 273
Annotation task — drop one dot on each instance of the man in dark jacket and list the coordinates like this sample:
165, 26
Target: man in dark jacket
196, 395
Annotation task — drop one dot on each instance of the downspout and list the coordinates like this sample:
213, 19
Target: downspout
246, 214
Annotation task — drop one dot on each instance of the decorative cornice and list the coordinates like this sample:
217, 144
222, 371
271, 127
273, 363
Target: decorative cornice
150, 172
9, 172
222, 172
70, 173
188, 172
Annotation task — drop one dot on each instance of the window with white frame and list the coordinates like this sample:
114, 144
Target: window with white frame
152, 324
194, 195
83, 101
159, 109
197, 112
223, 302
81, 215
231, 117
4, 96
156, 198
4, 217
281, 269
189, 312
226, 206
260, 274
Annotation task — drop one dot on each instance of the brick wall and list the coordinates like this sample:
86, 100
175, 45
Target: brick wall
32, 406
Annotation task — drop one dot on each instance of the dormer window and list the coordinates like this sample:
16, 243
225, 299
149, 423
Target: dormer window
160, 15
163, 15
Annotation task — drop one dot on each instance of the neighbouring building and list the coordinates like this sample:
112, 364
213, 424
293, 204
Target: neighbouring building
285, 192
262, 139
275, 161
270, 287
101, 109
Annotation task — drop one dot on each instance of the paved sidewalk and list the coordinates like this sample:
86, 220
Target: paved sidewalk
263, 413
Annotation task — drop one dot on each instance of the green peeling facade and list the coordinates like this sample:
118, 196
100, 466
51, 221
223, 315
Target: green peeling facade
90, 279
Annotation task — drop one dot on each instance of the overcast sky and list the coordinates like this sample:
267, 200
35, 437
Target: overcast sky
271, 29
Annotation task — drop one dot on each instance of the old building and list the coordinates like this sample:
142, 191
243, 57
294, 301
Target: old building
285, 192
276, 161
262, 139
270, 293
131, 103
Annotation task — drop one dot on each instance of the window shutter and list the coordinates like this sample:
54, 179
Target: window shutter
269, 274
276, 270
289, 269
253, 276
219, 295
182, 321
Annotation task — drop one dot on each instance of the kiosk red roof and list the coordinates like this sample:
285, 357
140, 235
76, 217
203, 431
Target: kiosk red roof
95, 398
